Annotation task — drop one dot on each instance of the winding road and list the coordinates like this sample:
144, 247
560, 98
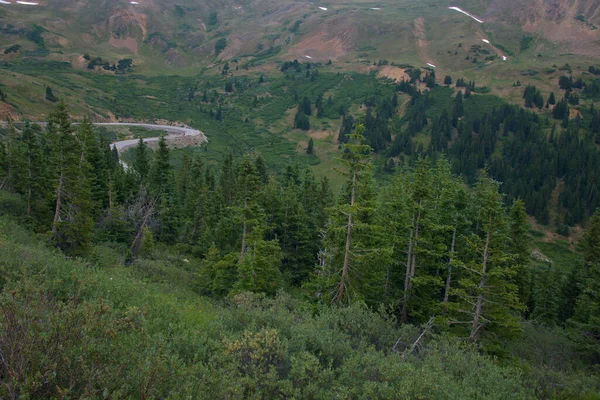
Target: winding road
173, 132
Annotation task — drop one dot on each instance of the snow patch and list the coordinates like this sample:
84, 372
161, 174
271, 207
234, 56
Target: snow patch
504, 58
375, 8
323, 8
485, 41
431, 65
466, 13
133, 2
309, 57
27, 3
5, 2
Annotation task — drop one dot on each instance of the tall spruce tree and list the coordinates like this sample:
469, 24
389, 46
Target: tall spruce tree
519, 248
486, 299
141, 160
13, 159
420, 191
586, 321
258, 270
72, 223
352, 264
247, 209
35, 186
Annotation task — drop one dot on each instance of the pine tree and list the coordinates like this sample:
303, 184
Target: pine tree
50, 95
420, 192
258, 270
519, 247
394, 215
486, 297
458, 105
306, 107
13, 159
160, 170
97, 168
586, 321
141, 162
298, 229
247, 209
195, 203
72, 223
352, 262
34, 179
546, 295
311, 144
301, 121
161, 186
261, 169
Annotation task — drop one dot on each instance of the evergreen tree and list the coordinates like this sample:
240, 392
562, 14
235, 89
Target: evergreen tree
486, 298
546, 296
141, 160
13, 159
419, 195
298, 223
247, 209
311, 144
72, 223
306, 106
98, 169
34, 180
261, 169
160, 171
161, 186
458, 105
586, 321
258, 270
561, 110
50, 95
351, 264
301, 121
519, 248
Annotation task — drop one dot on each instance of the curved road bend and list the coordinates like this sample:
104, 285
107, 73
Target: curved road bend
173, 132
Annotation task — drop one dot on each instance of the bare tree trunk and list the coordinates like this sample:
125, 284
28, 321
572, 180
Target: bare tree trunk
404, 317
137, 241
344, 280
413, 266
449, 277
29, 193
479, 304
110, 189
410, 264
243, 252
57, 208
412, 348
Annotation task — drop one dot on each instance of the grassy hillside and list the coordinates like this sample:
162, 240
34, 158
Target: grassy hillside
94, 327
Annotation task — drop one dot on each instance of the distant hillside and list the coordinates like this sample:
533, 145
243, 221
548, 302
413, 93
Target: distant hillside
188, 34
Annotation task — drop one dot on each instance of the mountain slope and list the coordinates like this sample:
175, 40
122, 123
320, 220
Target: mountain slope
182, 35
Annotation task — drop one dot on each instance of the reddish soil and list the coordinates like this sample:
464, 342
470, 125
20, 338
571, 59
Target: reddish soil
129, 43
